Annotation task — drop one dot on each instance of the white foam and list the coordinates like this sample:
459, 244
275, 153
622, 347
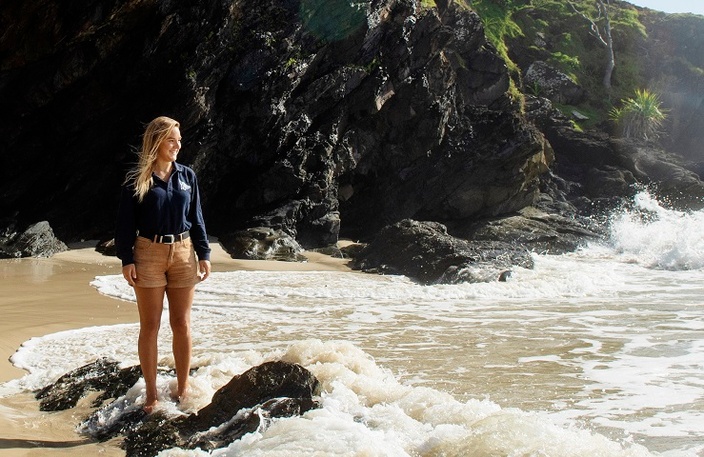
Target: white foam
366, 412
656, 237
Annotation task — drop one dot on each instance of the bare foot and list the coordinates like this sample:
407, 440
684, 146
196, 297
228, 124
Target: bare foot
180, 394
179, 397
150, 406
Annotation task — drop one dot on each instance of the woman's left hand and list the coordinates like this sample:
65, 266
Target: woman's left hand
203, 269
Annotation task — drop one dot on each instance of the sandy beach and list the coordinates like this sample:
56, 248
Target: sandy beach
40, 296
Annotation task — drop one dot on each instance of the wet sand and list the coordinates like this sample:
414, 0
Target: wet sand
44, 296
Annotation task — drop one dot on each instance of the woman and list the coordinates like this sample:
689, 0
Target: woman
160, 229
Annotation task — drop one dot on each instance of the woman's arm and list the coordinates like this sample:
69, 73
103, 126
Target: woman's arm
126, 231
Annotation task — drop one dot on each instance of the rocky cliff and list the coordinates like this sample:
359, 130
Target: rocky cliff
297, 115
312, 118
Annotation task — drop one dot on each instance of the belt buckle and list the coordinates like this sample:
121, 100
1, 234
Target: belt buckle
168, 237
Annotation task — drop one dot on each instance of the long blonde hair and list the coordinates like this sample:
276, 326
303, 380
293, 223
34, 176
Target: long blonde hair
156, 132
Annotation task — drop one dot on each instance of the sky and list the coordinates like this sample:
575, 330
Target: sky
672, 6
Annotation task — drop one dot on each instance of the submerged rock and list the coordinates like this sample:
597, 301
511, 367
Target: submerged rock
246, 404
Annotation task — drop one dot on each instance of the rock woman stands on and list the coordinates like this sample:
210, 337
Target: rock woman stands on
160, 229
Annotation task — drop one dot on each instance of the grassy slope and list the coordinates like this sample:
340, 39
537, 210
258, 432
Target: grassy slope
550, 30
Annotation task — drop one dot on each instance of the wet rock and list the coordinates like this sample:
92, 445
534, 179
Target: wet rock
401, 111
249, 421
352, 250
102, 375
249, 401
425, 252
535, 230
596, 173
246, 404
667, 175
254, 387
333, 251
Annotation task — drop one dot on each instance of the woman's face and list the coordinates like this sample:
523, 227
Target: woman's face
168, 149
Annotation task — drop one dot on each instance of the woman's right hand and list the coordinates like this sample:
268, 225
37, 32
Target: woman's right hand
129, 272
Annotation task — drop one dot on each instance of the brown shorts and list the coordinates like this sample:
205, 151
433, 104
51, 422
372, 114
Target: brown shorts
170, 265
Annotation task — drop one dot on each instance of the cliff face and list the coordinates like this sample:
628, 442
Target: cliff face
313, 118
309, 116
674, 60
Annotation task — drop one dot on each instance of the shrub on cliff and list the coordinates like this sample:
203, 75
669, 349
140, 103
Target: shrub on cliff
639, 117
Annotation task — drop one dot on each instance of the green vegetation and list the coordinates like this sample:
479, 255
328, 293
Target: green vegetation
290, 63
554, 31
593, 116
639, 117
499, 25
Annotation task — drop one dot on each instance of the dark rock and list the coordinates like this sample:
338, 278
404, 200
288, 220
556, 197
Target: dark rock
352, 250
605, 171
149, 435
102, 375
447, 144
608, 181
37, 240
666, 174
504, 276
107, 247
332, 251
125, 424
245, 404
335, 122
250, 421
426, 253
535, 230
273, 389
262, 243
146, 436
254, 387
281, 110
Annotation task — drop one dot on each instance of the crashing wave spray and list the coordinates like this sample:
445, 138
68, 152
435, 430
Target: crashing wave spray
656, 237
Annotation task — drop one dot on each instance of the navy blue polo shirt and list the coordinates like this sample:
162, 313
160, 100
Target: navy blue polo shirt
169, 208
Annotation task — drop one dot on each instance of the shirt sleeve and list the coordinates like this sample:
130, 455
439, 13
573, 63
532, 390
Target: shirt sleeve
126, 231
199, 235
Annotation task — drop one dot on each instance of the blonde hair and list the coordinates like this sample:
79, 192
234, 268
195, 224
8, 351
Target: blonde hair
156, 132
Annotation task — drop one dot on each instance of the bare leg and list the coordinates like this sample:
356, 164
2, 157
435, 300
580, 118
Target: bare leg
180, 301
150, 302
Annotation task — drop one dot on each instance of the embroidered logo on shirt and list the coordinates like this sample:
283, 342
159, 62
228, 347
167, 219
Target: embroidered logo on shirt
184, 186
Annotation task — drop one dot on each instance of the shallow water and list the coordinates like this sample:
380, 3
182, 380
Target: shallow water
593, 353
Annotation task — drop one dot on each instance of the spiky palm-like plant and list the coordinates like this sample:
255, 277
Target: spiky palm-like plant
640, 117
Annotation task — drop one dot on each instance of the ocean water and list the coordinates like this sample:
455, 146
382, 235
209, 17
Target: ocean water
595, 353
